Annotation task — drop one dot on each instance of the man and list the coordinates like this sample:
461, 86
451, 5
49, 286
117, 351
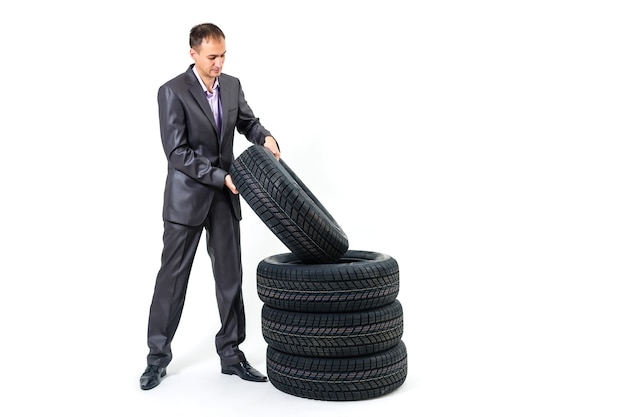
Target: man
199, 111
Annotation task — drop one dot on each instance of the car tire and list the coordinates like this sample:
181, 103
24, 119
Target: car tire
288, 208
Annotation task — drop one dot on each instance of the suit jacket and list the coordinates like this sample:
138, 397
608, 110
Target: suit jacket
198, 159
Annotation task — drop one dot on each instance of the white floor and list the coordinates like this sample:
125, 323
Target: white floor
497, 343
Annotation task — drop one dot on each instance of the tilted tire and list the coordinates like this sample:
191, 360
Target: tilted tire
330, 335
338, 379
287, 207
359, 280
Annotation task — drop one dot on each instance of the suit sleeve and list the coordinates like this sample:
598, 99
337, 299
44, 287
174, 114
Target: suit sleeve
249, 125
175, 143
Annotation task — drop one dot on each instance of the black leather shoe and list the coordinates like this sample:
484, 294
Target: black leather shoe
245, 371
151, 377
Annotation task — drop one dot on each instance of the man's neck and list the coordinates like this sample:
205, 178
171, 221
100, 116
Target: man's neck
209, 82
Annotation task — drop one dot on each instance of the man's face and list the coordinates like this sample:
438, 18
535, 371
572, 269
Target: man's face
209, 57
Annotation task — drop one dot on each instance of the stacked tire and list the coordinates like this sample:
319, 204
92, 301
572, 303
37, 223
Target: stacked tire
330, 316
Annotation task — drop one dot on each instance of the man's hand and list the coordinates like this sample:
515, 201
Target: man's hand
228, 182
270, 143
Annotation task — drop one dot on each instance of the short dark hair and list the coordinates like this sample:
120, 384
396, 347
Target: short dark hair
204, 31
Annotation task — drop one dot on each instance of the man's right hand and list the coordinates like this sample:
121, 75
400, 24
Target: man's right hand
228, 181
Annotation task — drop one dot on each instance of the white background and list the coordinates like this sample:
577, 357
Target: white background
480, 143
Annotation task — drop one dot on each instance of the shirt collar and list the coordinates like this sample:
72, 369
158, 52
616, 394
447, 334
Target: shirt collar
204, 88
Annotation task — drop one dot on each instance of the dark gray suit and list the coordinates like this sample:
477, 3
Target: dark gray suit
195, 199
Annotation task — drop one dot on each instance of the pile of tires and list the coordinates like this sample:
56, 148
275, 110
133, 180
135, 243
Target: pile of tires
330, 316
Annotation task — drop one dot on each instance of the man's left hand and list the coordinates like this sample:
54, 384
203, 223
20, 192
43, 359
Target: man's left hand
272, 145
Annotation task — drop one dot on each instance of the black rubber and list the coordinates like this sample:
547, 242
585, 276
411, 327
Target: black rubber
360, 280
287, 206
338, 379
330, 335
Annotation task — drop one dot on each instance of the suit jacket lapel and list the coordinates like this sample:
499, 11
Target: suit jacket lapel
227, 104
198, 93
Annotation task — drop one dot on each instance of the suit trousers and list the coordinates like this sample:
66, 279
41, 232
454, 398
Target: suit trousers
180, 243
